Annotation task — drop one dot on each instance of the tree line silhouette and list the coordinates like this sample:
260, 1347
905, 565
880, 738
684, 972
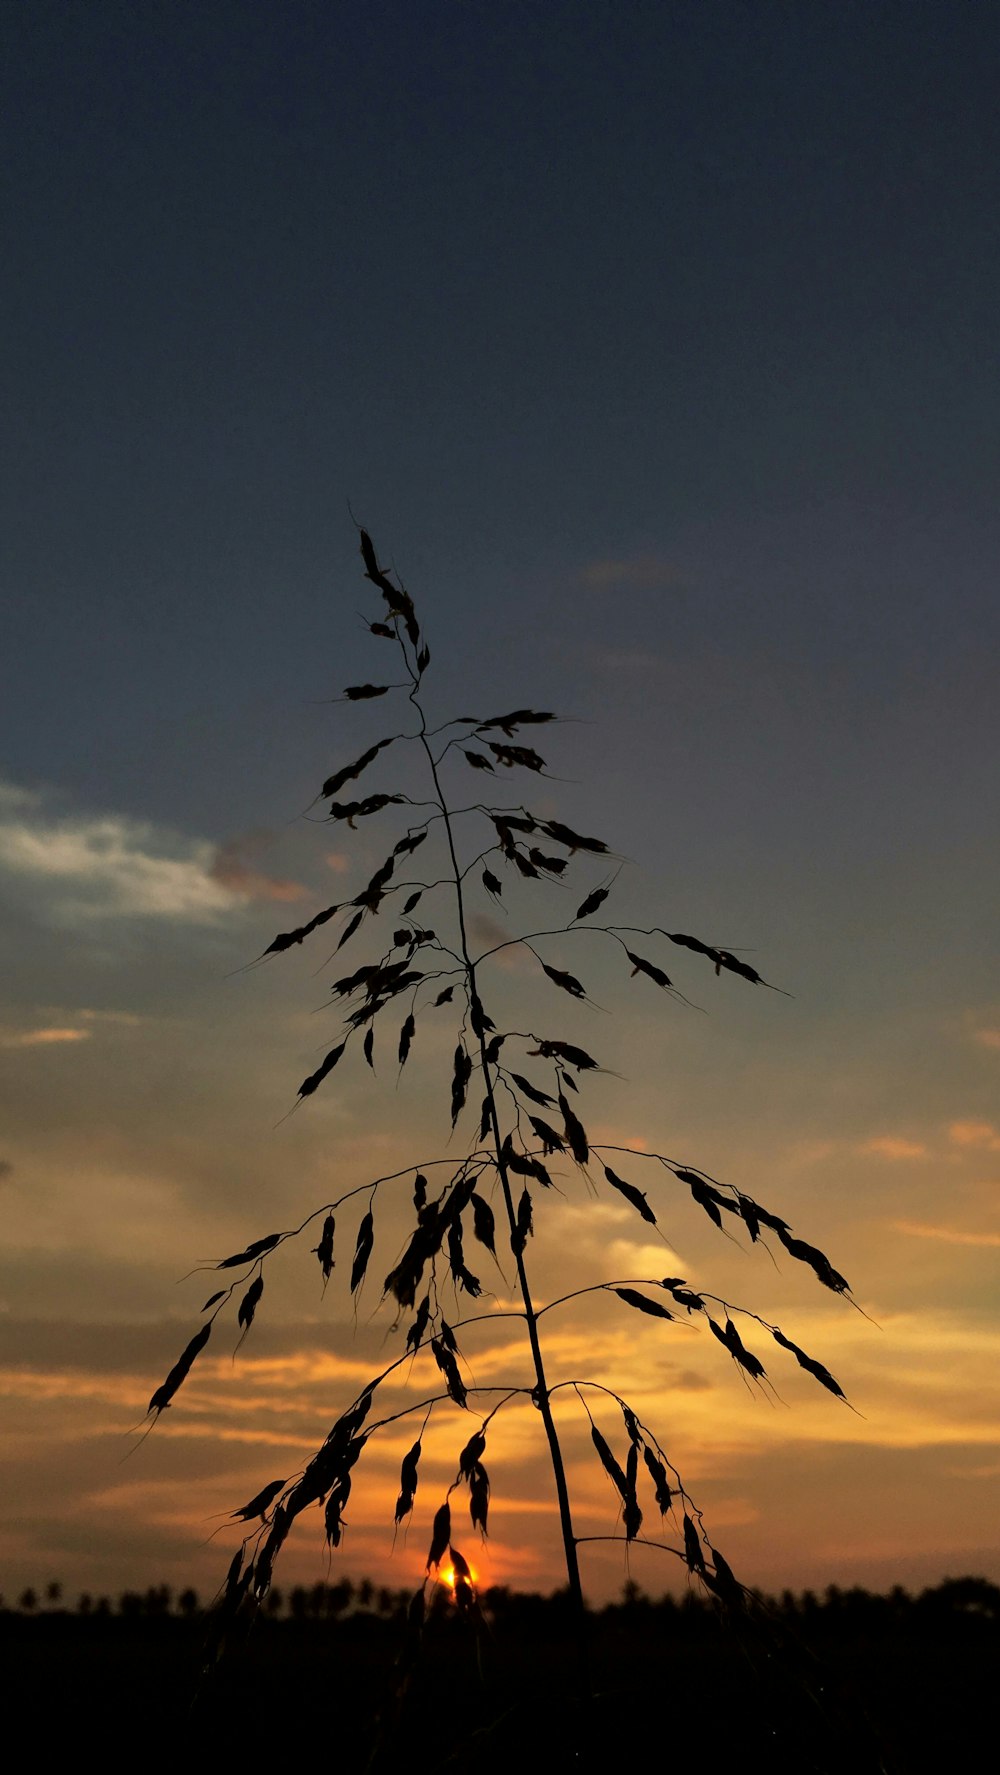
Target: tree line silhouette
846, 1679
855, 1611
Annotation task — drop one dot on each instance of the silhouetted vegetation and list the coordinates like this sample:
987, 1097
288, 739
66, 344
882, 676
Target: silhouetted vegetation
909, 1676
517, 1108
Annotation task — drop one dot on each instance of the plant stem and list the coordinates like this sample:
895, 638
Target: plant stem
542, 1396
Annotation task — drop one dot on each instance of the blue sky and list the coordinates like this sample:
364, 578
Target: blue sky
656, 345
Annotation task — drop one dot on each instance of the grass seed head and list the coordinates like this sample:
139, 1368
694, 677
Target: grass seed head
440, 1536
362, 1250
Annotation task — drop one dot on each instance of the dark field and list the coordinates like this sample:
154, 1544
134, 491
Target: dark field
894, 1682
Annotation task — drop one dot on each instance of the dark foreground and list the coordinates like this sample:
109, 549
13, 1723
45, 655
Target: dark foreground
856, 1686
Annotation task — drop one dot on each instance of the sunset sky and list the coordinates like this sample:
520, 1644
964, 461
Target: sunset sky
656, 345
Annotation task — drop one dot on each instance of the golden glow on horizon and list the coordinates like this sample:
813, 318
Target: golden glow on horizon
924, 1378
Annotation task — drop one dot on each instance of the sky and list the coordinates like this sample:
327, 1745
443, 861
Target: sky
656, 347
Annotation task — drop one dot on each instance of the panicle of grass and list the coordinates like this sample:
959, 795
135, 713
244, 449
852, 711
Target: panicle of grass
485, 1190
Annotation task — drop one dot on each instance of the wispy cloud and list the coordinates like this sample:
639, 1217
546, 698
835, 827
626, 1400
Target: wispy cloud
971, 1136
949, 1234
490, 933
41, 1038
987, 1038
233, 867
68, 1026
892, 1146
645, 572
12, 795
86, 866
128, 1019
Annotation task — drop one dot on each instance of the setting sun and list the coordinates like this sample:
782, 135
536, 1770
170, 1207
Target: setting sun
449, 1577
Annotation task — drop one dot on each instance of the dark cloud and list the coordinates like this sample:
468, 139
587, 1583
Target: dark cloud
689, 1382
132, 1347
74, 1288
110, 1541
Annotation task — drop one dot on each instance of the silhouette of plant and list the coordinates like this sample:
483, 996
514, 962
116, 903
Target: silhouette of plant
529, 1088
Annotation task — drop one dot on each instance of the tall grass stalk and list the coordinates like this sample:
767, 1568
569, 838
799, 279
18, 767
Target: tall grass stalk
530, 1120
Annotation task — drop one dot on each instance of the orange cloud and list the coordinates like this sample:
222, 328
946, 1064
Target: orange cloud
891, 1146
981, 1135
987, 1038
338, 862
